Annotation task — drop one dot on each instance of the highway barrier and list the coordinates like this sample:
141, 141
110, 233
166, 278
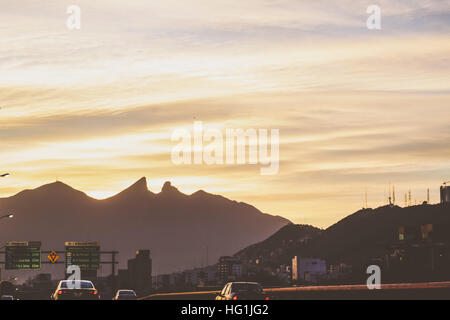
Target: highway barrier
429, 290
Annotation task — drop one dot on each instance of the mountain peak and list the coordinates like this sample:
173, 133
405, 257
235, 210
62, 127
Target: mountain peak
139, 188
57, 188
170, 190
167, 187
141, 184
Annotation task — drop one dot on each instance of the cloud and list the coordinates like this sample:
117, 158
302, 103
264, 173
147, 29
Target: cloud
96, 107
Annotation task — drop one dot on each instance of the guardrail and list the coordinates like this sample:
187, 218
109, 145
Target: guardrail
432, 290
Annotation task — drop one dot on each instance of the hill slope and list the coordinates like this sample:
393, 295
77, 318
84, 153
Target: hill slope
367, 233
281, 246
355, 239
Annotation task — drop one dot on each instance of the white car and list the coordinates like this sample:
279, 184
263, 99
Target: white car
125, 295
6, 297
75, 290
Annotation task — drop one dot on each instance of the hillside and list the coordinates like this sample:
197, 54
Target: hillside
355, 239
281, 246
367, 233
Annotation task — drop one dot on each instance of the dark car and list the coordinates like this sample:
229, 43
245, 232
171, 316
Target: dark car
242, 291
125, 295
75, 290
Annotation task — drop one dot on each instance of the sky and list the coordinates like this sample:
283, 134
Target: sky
357, 109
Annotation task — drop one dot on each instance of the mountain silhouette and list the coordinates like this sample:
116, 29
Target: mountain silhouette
280, 247
179, 229
356, 239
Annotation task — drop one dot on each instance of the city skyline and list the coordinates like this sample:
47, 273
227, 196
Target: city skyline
356, 108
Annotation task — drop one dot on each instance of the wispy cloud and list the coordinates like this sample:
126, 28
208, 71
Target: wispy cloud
356, 108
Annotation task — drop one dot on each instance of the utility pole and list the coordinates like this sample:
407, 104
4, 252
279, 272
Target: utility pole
366, 203
409, 198
393, 195
390, 198
113, 259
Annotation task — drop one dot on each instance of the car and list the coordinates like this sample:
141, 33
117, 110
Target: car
7, 297
75, 290
242, 291
125, 295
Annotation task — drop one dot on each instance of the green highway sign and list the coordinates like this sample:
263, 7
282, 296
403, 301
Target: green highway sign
85, 255
23, 255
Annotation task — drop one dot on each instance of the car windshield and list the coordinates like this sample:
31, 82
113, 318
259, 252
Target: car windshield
250, 287
77, 285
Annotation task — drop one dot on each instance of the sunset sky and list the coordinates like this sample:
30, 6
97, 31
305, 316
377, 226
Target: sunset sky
356, 108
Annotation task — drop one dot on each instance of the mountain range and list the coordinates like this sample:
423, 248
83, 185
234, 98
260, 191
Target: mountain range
182, 231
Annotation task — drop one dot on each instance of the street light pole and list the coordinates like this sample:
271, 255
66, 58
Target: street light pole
9, 216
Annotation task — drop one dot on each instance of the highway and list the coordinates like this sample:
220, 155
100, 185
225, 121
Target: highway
429, 290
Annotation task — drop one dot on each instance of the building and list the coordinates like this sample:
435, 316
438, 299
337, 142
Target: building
199, 277
140, 272
43, 281
445, 194
123, 279
228, 269
283, 273
339, 271
308, 269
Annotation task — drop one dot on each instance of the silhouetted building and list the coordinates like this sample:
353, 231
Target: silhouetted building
123, 279
42, 279
445, 194
308, 269
140, 272
229, 268
163, 281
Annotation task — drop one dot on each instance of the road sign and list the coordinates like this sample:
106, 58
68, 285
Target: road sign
23, 255
85, 255
53, 257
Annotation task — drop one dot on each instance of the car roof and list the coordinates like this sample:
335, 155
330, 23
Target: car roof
76, 281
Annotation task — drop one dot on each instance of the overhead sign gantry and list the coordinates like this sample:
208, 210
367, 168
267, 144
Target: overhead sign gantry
25, 255
85, 255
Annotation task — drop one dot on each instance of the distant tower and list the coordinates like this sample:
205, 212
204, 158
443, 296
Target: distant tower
393, 195
409, 198
390, 197
445, 192
365, 200
428, 196
406, 200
